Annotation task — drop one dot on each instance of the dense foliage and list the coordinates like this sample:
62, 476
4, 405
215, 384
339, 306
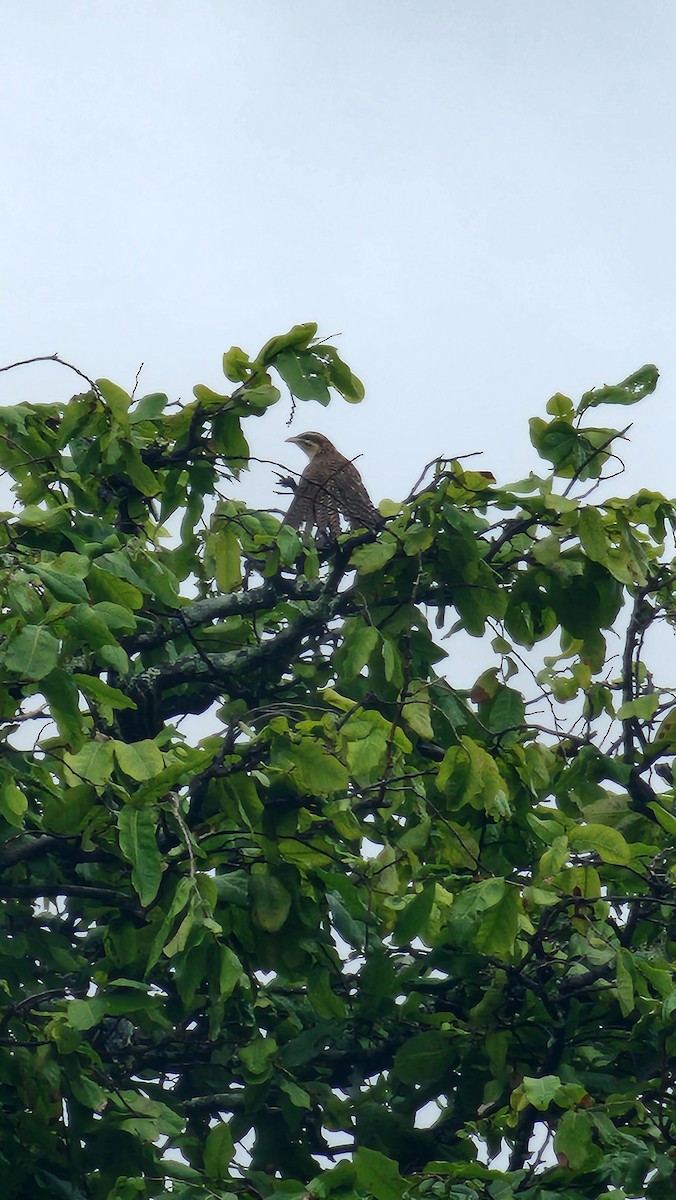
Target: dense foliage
356, 931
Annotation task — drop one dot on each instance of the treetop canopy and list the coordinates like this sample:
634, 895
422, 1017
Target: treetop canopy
361, 931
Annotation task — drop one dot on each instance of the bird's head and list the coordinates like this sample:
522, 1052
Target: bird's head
312, 443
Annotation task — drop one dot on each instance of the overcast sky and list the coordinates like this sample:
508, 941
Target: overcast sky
479, 196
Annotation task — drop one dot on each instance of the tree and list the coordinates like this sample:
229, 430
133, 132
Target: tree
358, 929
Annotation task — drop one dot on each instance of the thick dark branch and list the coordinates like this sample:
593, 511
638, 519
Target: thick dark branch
579, 983
511, 529
217, 1103
21, 891
637, 622
213, 674
29, 845
21, 849
37, 1000
219, 608
229, 670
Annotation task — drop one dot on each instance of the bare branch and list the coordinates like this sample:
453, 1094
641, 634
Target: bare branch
25, 362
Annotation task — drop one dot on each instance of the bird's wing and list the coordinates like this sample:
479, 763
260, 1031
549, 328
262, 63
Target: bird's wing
353, 499
314, 499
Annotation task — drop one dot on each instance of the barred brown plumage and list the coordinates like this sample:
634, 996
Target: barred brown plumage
330, 487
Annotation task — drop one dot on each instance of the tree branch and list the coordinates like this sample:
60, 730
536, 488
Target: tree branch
25, 362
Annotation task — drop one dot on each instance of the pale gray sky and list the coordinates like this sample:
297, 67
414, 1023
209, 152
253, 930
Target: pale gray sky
478, 196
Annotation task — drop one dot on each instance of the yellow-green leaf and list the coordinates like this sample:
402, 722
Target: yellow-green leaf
33, 653
13, 803
608, 843
139, 760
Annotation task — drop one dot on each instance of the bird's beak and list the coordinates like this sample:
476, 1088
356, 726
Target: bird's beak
295, 441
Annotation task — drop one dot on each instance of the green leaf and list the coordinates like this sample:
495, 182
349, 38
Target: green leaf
117, 400
560, 406
104, 586
593, 535
573, 452
140, 474
184, 891
289, 544
209, 398
302, 377
61, 693
624, 981
89, 1094
257, 1056
34, 517
418, 538
360, 642
392, 662
554, 858
62, 587
270, 901
311, 768
417, 710
257, 399
227, 558
298, 1096
608, 843
13, 803
92, 764
115, 657
148, 408
102, 693
632, 389
412, 920
219, 1150
644, 707
33, 652
540, 1092
139, 760
236, 365
340, 376
378, 1175
138, 843
365, 738
298, 337
367, 559
231, 973
423, 1059
228, 439
476, 898
664, 818
573, 1142
499, 926
484, 786
348, 915
504, 711
85, 1014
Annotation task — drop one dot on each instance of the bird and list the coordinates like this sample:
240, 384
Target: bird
330, 487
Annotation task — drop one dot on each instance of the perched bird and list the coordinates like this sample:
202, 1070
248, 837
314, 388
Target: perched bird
330, 487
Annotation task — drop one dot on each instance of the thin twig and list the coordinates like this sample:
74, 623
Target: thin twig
25, 362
